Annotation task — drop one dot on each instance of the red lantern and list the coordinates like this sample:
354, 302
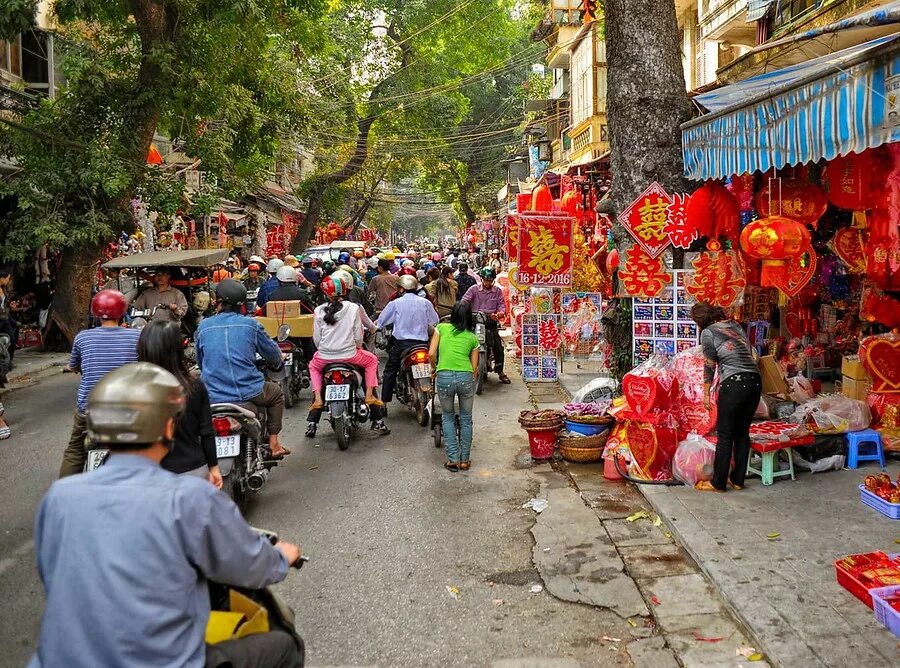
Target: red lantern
852, 179
793, 199
612, 261
570, 203
542, 199
713, 211
774, 240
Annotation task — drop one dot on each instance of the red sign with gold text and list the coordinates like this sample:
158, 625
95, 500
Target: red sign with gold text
512, 237
646, 219
545, 250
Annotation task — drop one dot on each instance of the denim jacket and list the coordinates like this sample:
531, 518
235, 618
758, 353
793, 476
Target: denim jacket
227, 344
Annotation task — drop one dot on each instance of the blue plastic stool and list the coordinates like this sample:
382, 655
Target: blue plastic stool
864, 437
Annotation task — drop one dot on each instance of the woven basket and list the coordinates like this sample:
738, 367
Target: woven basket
598, 420
540, 425
582, 448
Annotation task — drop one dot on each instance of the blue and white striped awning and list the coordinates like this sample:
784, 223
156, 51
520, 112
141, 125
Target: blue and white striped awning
840, 103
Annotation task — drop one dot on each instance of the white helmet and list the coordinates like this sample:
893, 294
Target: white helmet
408, 263
286, 274
372, 262
257, 259
274, 265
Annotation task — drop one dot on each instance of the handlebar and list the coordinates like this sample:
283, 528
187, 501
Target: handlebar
272, 537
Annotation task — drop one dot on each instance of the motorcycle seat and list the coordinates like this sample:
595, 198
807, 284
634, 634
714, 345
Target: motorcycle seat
234, 409
344, 366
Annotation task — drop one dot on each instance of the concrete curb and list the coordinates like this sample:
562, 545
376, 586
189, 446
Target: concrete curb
33, 375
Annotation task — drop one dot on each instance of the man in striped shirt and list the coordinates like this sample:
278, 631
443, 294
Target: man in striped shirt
95, 353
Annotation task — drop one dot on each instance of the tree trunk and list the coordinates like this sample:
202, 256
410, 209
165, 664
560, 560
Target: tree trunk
464, 204
71, 301
646, 104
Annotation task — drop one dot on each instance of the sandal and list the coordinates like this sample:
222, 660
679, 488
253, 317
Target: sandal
374, 401
705, 486
504, 379
316, 406
735, 487
451, 466
464, 466
5, 433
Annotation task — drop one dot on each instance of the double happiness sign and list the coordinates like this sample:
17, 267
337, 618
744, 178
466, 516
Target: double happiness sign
545, 250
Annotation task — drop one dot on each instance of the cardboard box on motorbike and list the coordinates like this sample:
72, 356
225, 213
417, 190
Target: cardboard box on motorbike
244, 617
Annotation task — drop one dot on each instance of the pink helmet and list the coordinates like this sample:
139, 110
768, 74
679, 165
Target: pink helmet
436, 257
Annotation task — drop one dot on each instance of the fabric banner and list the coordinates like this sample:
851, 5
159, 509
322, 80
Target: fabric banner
545, 250
512, 237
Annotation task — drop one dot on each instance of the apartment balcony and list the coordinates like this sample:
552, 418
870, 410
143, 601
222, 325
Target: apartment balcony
726, 21
560, 45
589, 140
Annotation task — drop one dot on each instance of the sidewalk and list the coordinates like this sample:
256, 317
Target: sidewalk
783, 589
31, 365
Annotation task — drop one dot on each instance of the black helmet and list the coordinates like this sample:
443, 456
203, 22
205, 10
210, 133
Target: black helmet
230, 291
132, 404
328, 266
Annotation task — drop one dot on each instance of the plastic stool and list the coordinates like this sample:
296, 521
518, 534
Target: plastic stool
858, 438
768, 471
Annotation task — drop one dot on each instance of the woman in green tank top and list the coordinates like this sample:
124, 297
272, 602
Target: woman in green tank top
454, 355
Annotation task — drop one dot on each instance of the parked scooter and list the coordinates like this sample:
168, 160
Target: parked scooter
345, 404
415, 386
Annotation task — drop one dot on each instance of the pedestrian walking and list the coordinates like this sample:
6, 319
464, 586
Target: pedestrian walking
193, 450
727, 348
454, 356
96, 352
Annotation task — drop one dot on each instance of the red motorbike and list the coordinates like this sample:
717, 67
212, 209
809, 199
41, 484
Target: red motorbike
415, 386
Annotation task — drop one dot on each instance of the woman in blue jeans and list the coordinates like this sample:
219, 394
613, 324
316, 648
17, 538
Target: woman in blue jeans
454, 355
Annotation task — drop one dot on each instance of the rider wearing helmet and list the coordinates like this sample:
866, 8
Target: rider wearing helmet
253, 280
496, 263
169, 302
288, 290
270, 284
309, 272
133, 544
338, 335
488, 298
227, 345
96, 352
383, 286
344, 258
413, 318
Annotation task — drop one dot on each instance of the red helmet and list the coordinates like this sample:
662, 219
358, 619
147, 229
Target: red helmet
109, 305
334, 286
407, 271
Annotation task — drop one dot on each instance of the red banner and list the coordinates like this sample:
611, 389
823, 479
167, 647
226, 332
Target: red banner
647, 217
512, 237
545, 250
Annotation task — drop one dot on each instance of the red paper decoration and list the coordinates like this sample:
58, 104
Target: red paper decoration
645, 219
850, 247
549, 336
571, 203
542, 199
793, 199
876, 306
612, 261
714, 212
643, 276
677, 229
880, 356
852, 180
774, 240
799, 273
717, 278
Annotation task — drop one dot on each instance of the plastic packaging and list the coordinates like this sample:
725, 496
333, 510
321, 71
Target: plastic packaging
801, 389
596, 390
650, 385
833, 415
693, 460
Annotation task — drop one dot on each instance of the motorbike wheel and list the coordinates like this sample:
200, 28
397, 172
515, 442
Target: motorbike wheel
233, 483
482, 374
286, 390
438, 432
422, 416
342, 430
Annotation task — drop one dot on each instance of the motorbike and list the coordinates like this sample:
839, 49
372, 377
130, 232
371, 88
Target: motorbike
485, 352
345, 404
296, 371
141, 317
437, 424
415, 386
250, 303
281, 616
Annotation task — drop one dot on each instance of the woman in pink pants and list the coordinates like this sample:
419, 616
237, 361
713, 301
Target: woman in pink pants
338, 335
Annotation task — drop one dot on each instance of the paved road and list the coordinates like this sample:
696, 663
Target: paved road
387, 528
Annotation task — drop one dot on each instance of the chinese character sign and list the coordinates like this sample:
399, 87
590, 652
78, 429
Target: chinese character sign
646, 219
512, 237
545, 250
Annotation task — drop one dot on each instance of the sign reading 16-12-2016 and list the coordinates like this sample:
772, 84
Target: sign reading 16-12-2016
545, 250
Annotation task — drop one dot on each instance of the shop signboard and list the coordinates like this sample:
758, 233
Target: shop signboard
646, 219
545, 250
663, 324
512, 237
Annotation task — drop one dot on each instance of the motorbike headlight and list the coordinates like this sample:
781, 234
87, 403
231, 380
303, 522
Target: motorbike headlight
481, 332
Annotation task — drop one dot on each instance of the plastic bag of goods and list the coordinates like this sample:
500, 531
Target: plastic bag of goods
693, 460
648, 448
688, 406
651, 384
596, 390
833, 415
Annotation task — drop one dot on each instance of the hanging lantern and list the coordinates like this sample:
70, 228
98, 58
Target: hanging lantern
794, 199
713, 211
542, 199
852, 179
774, 240
570, 202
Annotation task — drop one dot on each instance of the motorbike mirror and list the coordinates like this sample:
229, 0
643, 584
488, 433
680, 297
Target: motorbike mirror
138, 324
283, 332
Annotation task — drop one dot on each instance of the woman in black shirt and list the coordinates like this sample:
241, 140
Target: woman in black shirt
194, 447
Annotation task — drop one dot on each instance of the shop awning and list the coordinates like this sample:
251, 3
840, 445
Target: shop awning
836, 104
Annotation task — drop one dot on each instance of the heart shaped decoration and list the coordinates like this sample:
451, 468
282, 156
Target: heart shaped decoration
693, 417
849, 246
793, 324
640, 392
880, 356
652, 448
797, 275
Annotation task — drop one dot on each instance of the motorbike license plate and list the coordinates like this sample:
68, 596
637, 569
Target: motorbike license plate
337, 393
228, 446
421, 371
288, 359
95, 459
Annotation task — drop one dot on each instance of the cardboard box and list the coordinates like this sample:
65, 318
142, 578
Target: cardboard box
773, 378
301, 327
851, 367
283, 309
855, 389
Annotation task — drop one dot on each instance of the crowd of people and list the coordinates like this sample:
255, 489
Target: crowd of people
155, 501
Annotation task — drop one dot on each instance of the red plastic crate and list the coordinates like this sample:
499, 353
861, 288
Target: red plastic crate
856, 587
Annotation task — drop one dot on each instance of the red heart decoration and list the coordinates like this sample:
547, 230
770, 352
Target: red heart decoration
652, 448
880, 356
693, 417
850, 248
640, 392
798, 276
793, 324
